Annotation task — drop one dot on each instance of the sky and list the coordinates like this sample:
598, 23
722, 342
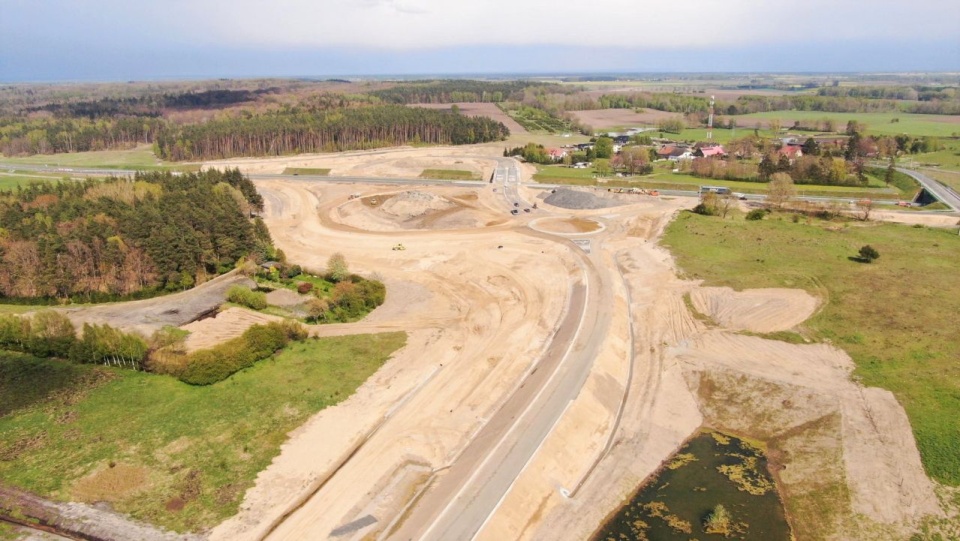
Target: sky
116, 40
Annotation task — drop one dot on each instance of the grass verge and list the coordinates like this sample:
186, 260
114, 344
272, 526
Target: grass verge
449, 174
163, 451
141, 158
306, 171
896, 317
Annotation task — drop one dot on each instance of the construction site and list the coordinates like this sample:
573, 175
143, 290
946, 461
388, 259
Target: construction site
553, 365
555, 360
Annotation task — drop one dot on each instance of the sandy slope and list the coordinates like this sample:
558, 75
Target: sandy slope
757, 310
480, 316
482, 295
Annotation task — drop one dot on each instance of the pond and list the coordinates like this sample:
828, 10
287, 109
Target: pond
715, 487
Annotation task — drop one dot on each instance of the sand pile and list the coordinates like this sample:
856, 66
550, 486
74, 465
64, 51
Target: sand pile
757, 310
413, 204
577, 200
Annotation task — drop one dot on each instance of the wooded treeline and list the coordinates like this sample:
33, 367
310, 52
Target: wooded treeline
57, 135
102, 240
149, 105
325, 131
454, 91
942, 103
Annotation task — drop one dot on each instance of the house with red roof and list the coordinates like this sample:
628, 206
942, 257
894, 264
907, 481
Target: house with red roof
557, 154
710, 151
791, 151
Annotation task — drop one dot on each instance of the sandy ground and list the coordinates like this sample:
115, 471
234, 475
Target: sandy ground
489, 110
485, 314
150, 315
403, 162
931, 220
756, 310
482, 296
228, 324
643, 398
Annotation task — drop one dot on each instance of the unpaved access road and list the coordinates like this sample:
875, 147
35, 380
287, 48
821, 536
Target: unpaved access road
499, 420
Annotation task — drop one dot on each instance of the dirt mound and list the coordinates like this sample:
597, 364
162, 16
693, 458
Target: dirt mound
413, 204
578, 200
756, 310
566, 225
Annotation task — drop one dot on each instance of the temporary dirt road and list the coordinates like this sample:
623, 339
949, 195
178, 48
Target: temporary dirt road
552, 364
550, 368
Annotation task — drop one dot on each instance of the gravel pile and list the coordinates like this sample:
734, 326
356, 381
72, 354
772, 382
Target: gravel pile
577, 200
412, 204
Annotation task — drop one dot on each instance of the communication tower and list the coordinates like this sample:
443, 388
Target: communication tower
710, 121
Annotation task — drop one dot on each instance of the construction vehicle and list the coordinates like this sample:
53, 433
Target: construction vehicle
399, 246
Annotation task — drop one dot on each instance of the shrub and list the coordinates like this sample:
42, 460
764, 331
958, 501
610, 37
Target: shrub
51, 334
337, 268
705, 210
868, 253
718, 522
243, 296
756, 214
304, 287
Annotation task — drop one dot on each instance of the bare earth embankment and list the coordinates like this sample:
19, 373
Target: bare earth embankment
484, 297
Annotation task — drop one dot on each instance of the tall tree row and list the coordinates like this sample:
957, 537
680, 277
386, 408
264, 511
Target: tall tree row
99, 240
325, 131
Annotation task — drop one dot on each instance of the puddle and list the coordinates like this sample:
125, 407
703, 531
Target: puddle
680, 503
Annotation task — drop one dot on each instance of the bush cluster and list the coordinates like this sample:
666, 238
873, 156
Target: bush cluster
354, 297
209, 366
256, 300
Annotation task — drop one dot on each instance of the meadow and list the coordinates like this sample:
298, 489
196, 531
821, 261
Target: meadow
158, 449
876, 123
140, 158
896, 317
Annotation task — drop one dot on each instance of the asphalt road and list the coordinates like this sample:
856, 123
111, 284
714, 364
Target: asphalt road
941, 192
506, 176
466, 495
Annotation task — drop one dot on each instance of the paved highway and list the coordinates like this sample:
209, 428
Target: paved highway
506, 176
466, 495
941, 192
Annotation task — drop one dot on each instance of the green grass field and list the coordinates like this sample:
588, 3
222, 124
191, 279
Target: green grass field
140, 158
11, 181
877, 123
896, 317
182, 456
449, 174
305, 171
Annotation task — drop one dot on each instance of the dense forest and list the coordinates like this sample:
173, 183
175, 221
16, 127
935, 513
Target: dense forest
325, 131
149, 105
454, 91
217, 119
101, 240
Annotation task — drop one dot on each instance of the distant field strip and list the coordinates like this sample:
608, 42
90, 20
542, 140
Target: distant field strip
449, 174
306, 171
